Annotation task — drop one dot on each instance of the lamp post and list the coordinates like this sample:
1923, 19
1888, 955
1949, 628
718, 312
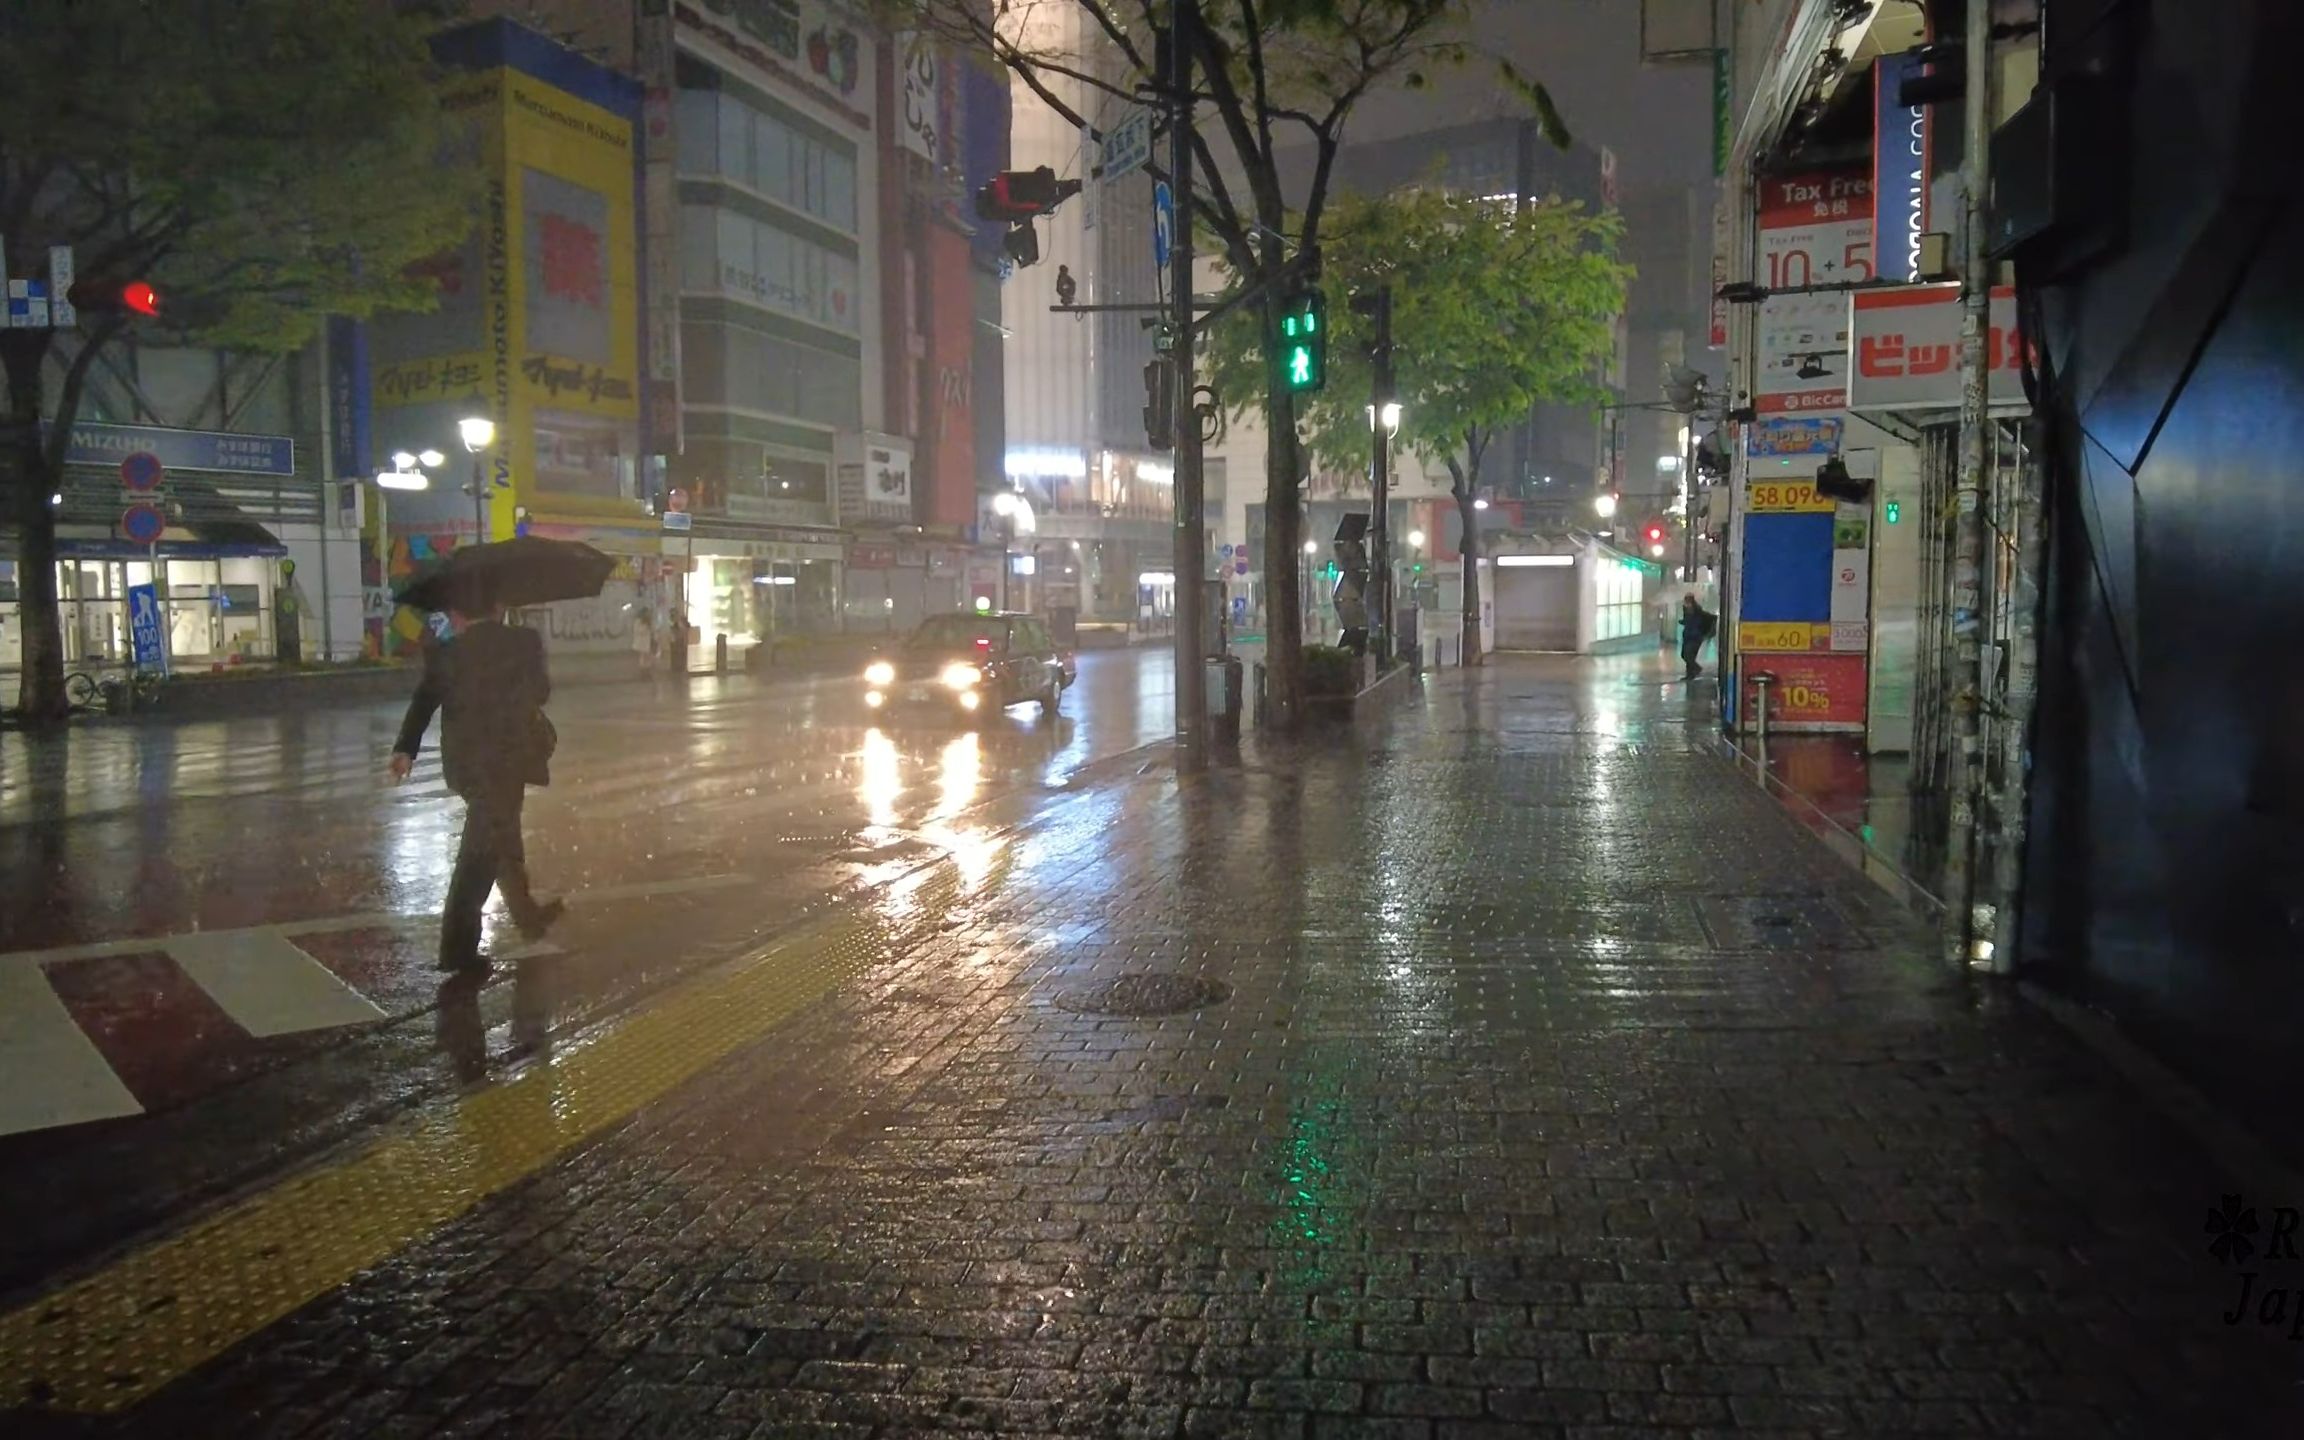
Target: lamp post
478, 433
406, 474
1308, 583
1015, 514
1383, 428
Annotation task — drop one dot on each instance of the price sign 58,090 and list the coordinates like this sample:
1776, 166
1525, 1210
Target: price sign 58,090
1786, 497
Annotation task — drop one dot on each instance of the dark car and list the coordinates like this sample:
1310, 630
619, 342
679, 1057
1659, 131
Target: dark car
972, 663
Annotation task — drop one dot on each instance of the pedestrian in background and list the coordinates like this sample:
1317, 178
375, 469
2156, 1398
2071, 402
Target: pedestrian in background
487, 681
644, 640
1696, 627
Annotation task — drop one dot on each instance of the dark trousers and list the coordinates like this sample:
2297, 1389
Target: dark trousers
491, 856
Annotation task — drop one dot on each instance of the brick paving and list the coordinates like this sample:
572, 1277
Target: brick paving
1559, 1086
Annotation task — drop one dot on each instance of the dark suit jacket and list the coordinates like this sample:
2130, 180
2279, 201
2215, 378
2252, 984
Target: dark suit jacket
489, 685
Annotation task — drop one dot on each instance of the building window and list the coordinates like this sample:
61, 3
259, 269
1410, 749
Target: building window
726, 253
722, 136
1619, 609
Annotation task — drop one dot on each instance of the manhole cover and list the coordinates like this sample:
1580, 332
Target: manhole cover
1145, 995
1778, 922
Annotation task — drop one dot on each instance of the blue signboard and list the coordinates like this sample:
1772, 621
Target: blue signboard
1787, 569
348, 395
1899, 172
1163, 223
1794, 435
213, 451
144, 627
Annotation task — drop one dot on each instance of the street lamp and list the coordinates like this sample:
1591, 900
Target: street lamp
1004, 505
1605, 503
406, 474
478, 432
1415, 539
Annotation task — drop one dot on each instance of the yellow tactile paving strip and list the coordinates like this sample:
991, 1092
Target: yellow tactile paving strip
109, 1340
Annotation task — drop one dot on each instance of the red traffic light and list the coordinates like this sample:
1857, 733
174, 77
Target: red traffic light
1015, 196
138, 297
1653, 532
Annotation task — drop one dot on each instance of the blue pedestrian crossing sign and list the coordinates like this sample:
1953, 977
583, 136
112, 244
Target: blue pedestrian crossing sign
144, 626
1163, 223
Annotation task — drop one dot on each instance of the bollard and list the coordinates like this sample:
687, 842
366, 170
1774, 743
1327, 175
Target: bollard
719, 654
1760, 684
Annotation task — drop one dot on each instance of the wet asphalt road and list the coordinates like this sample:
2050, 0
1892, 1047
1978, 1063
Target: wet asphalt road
235, 919
156, 829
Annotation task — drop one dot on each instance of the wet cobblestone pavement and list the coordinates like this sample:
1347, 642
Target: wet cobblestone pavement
1546, 1080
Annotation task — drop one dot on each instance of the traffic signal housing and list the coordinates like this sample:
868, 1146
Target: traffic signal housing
1300, 350
1653, 533
1160, 404
1016, 196
128, 297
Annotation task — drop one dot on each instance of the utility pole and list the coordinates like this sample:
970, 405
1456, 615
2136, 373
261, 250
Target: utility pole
1191, 529
1963, 850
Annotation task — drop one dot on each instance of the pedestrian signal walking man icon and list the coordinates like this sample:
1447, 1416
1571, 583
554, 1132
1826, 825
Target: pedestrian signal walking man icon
144, 627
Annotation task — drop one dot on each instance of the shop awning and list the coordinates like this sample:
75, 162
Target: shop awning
198, 540
202, 522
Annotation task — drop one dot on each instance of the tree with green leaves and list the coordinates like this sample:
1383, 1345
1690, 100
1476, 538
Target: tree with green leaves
1276, 77
264, 163
1496, 308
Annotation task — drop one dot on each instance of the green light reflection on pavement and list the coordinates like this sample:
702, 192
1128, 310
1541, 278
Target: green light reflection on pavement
1313, 1222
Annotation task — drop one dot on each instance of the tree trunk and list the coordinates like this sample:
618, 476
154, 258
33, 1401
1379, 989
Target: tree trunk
1470, 549
40, 691
1283, 549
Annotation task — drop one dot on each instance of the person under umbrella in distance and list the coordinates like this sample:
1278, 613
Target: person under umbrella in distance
488, 682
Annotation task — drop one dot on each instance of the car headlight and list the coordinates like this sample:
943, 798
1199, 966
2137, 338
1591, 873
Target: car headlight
961, 677
879, 672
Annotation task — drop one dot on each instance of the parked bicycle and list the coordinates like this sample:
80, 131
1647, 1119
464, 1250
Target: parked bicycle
109, 694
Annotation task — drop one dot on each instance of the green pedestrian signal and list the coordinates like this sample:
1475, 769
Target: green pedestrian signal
1895, 512
1302, 345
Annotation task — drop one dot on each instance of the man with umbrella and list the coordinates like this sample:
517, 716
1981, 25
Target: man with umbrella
488, 682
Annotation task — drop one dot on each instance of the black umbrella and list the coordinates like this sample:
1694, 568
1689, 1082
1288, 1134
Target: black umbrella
508, 575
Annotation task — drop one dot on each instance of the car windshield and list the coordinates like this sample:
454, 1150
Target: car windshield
958, 632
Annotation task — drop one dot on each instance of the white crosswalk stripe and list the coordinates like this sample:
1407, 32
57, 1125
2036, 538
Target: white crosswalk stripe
50, 1072
266, 984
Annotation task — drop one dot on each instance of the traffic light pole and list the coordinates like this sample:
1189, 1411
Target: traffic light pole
1191, 530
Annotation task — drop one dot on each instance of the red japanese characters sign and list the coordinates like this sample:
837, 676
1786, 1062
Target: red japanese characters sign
1814, 691
1906, 345
574, 260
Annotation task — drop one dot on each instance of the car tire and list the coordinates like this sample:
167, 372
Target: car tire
1052, 697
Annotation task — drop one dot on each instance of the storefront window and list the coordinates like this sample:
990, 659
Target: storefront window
1618, 606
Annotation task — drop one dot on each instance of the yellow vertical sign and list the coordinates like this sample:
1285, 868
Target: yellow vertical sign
571, 278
